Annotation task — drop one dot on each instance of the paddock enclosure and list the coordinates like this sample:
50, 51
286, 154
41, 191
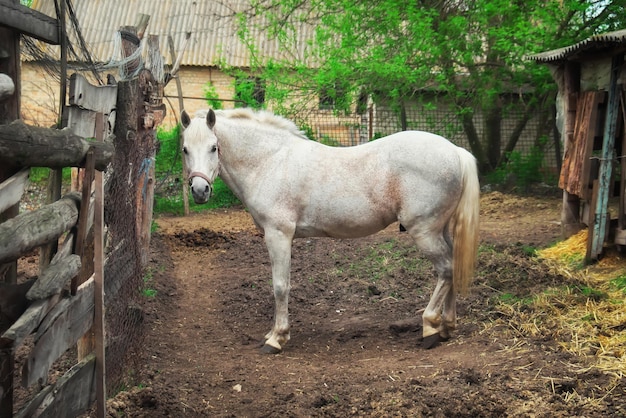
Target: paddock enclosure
355, 347
181, 307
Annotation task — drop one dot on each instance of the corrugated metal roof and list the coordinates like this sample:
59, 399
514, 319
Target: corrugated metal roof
595, 43
213, 25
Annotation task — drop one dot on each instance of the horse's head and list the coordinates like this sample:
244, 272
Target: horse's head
200, 154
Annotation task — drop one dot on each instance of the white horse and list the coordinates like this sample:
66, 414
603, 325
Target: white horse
294, 187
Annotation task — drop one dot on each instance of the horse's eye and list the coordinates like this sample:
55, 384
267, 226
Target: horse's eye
185, 150
214, 148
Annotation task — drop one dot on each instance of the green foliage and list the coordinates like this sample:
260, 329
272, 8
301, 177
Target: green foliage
520, 170
147, 291
40, 174
168, 158
211, 96
471, 52
511, 299
249, 91
587, 292
619, 283
327, 140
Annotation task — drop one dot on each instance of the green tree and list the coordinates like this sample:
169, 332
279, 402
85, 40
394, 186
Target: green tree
211, 96
470, 51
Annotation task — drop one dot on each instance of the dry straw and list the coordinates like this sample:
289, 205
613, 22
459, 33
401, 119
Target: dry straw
586, 316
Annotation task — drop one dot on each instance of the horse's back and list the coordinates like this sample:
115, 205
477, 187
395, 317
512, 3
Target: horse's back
359, 190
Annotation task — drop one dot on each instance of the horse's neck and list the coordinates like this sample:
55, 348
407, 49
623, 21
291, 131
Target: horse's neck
243, 153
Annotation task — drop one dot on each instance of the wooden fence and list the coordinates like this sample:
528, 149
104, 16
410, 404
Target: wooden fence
64, 306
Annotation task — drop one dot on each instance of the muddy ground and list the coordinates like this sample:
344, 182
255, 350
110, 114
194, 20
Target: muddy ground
355, 339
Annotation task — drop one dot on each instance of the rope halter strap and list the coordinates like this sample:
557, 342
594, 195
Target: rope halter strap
201, 175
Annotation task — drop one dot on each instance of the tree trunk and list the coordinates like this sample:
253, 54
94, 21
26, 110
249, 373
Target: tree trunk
493, 134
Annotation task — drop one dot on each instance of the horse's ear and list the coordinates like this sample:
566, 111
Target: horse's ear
185, 120
210, 119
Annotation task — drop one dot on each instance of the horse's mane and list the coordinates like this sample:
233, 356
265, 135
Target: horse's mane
261, 116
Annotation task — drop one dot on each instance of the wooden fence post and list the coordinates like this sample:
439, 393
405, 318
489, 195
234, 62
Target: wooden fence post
9, 110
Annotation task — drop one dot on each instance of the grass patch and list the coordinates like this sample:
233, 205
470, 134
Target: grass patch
619, 283
147, 291
40, 175
387, 259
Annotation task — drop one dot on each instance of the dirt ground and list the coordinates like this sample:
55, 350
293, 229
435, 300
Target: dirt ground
355, 311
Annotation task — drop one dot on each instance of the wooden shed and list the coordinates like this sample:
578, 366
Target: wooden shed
591, 117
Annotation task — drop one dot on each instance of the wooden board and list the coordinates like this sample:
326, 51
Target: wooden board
61, 334
576, 169
32, 146
28, 322
30, 230
12, 189
70, 396
29, 22
620, 233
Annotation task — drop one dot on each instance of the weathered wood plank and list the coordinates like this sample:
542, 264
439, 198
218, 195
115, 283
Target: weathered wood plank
29, 409
12, 189
575, 171
39, 289
53, 279
620, 232
83, 250
99, 308
144, 200
32, 146
9, 110
28, 322
29, 22
60, 334
30, 230
605, 176
71, 395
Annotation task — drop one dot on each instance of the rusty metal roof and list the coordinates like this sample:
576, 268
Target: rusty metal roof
213, 25
593, 44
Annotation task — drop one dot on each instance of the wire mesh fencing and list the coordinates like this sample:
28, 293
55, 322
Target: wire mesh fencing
526, 146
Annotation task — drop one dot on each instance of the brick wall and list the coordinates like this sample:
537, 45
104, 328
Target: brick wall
193, 81
40, 93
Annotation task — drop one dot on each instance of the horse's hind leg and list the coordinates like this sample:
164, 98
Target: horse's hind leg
439, 317
279, 247
436, 319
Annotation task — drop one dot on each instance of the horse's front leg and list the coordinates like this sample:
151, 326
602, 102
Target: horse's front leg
279, 247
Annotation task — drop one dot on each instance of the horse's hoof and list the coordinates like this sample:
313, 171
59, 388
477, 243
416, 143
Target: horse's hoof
432, 341
268, 349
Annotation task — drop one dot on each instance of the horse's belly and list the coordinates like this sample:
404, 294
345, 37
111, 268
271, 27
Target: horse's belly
343, 226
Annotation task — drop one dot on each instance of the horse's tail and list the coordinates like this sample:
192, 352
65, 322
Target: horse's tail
465, 221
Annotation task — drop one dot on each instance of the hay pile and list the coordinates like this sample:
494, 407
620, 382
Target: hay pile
586, 316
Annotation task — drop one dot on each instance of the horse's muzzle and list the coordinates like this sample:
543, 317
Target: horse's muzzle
201, 187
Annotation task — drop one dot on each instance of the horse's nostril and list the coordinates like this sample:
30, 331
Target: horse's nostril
206, 190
